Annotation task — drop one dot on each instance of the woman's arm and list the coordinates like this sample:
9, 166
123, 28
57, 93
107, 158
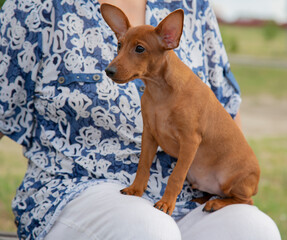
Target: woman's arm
1, 135
21, 54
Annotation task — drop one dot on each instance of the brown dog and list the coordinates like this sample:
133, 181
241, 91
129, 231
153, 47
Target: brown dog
182, 115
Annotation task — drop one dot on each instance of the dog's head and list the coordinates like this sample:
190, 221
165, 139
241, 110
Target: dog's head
141, 48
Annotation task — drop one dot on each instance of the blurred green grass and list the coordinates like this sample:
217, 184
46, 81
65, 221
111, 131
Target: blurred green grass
252, 41
272, 194
255, 81
12, 169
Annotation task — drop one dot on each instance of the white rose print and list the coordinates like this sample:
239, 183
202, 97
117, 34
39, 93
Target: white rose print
17, 34
89, 136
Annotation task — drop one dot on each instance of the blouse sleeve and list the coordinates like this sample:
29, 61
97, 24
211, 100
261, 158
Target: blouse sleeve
19, 62
220, 78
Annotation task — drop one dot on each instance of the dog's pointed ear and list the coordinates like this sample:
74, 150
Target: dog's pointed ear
115, 18
170, 29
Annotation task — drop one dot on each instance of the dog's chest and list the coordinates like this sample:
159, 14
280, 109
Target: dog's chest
162, 127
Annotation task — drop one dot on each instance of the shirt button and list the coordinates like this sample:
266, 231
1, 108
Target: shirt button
142, 88
61, 80
96, 77
200, 74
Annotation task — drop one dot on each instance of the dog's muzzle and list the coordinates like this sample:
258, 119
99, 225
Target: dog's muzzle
111, 71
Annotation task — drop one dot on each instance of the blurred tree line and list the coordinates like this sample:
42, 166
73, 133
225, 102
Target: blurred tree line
269, 32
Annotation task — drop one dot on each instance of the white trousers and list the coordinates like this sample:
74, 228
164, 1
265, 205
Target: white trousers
102, 213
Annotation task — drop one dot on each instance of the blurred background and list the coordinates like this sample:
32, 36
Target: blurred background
255, 36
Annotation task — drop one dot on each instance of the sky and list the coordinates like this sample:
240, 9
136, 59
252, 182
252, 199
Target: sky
262, 9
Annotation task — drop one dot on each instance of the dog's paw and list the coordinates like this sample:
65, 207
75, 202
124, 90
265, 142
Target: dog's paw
216, 204
132, 191
212, 205
165, 206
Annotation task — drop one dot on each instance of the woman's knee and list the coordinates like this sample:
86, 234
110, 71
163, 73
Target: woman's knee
238, 221
145, 222
254, 223
102, 212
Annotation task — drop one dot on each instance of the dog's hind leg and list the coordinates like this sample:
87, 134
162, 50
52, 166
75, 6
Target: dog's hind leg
236, 192
203, 199
216, 204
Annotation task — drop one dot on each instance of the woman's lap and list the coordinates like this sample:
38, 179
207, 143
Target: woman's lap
102, 213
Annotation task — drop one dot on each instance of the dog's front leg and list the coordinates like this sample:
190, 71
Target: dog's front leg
187, 151
149, 148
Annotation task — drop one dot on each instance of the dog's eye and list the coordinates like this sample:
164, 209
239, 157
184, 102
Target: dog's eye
119, 46
140, 49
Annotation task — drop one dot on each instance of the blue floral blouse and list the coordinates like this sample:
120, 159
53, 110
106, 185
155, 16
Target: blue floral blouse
77, 127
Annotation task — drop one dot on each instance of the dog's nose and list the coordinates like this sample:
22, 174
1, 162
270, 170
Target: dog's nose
110, 71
